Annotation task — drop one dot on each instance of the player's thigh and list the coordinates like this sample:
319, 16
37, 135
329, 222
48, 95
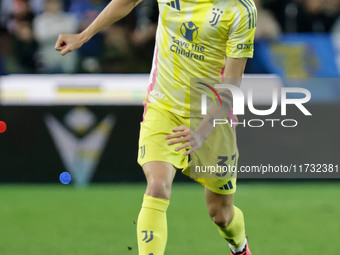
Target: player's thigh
157, 124
159, 176
214, 199
214, 165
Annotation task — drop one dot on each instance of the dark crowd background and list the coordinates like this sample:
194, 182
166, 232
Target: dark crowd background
29, 29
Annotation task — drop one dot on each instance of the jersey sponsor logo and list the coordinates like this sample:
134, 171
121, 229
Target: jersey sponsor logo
245, 46
190, 50
189, 30
216, 16
251, 10
174, 4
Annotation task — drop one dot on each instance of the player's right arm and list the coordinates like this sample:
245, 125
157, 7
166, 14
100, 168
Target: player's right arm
113, 12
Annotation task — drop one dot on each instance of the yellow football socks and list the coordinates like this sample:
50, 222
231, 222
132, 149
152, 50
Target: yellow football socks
152, 232
234, 233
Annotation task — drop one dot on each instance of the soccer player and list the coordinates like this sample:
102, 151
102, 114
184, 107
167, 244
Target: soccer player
195, 39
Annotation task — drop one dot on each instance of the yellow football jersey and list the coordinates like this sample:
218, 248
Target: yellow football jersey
193, 37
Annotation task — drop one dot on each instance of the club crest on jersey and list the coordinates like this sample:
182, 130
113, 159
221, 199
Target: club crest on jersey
216, 15
189, 30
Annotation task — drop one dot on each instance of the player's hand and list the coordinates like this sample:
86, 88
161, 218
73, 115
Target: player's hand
188, 138
68, 42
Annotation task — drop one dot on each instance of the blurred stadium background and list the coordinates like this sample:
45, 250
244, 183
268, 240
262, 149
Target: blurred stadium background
81, 114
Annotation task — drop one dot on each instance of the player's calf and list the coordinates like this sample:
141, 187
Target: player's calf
152, 224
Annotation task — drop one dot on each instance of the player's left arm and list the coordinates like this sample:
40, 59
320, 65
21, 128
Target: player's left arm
194, 139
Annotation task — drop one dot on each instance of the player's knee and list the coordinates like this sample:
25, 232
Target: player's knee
159, 188
220, 220
220, 216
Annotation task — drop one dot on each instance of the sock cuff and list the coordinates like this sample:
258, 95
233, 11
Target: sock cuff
237, 213
155, 203
225, 232
232, 223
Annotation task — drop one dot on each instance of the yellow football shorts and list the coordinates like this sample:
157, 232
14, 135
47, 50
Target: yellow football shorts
213, 165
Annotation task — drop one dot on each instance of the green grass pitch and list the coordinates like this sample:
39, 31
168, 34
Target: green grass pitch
281, 219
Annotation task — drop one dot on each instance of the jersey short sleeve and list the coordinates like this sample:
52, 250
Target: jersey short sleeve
240, 43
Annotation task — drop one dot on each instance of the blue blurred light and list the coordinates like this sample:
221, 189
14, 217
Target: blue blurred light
65, 178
